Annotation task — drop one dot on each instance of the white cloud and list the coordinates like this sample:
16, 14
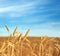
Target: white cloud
15, 8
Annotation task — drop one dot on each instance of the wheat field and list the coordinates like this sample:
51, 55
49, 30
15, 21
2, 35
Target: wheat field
31, 46
19, 45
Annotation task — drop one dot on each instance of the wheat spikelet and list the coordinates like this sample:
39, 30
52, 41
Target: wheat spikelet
15, 30
26, 34
7, 28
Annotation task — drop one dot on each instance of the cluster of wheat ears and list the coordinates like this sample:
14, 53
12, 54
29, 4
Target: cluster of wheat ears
13, 46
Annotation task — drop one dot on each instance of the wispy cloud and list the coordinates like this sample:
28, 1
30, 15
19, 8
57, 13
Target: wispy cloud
17, 10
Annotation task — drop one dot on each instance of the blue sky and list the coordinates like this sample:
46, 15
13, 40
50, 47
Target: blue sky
41, 16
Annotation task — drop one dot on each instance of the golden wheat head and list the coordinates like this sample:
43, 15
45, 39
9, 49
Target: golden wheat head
15, 30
